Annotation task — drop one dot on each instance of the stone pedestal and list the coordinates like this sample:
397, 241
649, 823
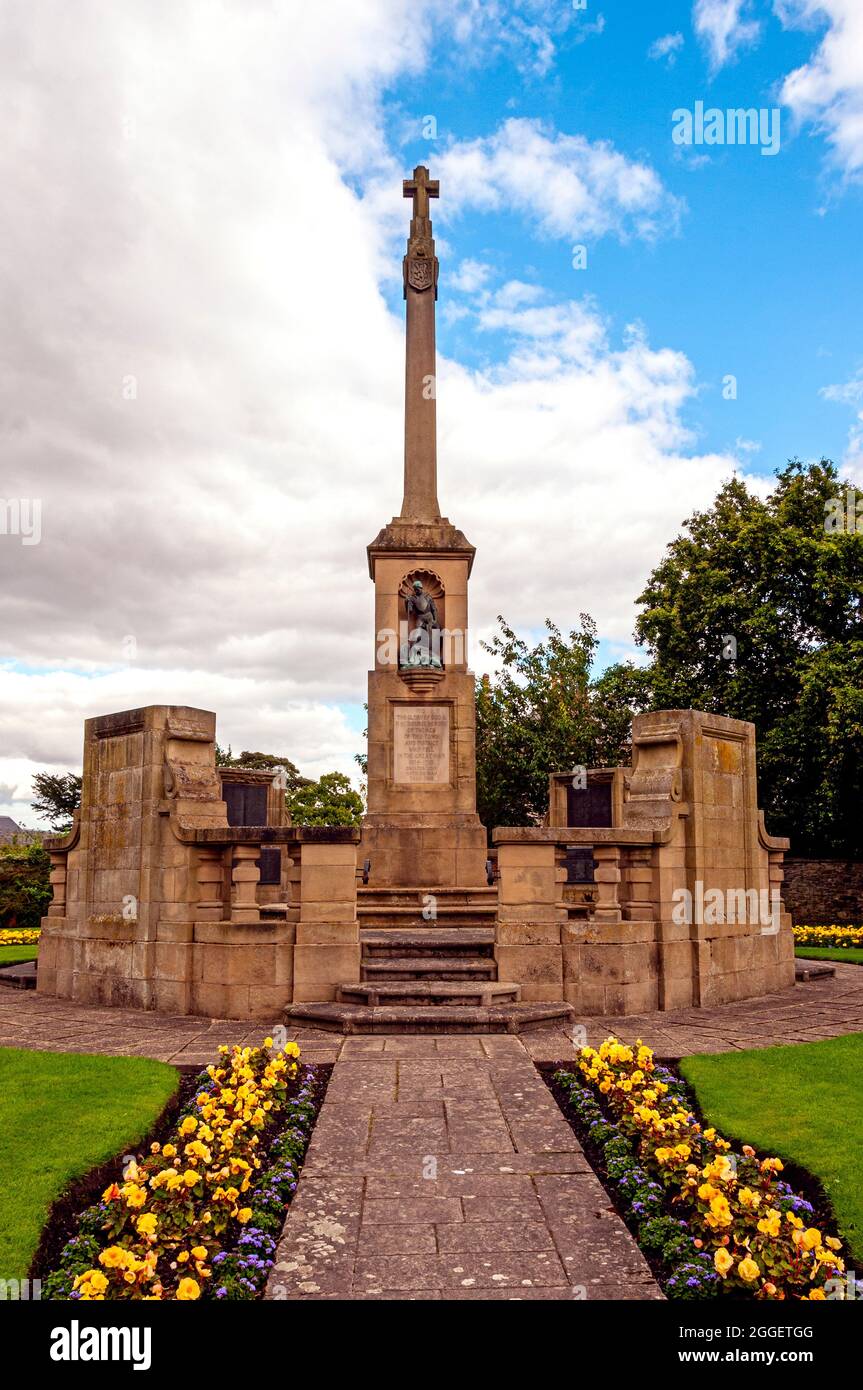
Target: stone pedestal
422, 829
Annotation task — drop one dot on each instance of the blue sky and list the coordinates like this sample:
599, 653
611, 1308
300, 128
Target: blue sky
763, 276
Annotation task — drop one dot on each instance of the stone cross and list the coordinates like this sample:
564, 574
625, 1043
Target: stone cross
421, 188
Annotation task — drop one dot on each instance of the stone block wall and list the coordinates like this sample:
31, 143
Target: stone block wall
687, 824
157, 901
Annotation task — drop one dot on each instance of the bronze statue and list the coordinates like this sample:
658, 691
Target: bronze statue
423, 648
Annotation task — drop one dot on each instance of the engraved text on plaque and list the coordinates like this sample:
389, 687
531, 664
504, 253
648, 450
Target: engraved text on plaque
421, 743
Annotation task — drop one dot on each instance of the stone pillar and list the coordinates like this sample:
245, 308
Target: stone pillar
245, 876
327, 951
606, 876
530, 913
638, 906
210, 875
57, 878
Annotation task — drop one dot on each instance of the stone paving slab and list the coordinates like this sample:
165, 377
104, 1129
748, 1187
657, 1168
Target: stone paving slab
489, 1195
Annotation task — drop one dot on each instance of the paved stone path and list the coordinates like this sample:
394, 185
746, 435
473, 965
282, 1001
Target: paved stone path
442, 1168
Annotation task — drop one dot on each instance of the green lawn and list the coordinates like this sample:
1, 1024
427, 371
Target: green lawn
61, 1114
10, 955
852, 953
800, 1103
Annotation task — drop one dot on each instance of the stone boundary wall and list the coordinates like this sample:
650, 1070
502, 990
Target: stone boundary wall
820, 892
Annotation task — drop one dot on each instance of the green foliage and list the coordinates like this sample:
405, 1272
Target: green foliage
329, 801
541, 713
24, 888
766, 573
262, 762
57, 797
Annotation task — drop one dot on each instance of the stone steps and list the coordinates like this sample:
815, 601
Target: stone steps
427, 942
22, 975
480, 896
421, 993
394, 918
422, 967
437, 1018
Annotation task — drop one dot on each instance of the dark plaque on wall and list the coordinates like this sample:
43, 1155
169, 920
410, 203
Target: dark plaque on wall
590, 805
246, 803
270, 864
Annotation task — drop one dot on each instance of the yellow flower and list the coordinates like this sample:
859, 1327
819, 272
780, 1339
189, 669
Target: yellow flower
135, 1196
811, 1238
146, 1224
833, 1243
189, 1125
771, 1223
190, 1177
817, 1296
188, 1289
199, 1252
722, 1262
244, 1214
748, 1269
268, 1042
168, 1151
114, 1257
772, 1165
748, 1198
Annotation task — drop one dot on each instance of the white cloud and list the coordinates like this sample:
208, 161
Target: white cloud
567, 185
667, 46
470, 276
850, 393
180, 206
828, 90
724, 28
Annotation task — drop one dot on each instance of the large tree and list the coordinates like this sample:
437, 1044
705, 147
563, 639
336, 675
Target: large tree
329, 801
755, 612
57, 797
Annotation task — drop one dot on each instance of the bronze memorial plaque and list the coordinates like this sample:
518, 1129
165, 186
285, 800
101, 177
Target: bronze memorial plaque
421, 744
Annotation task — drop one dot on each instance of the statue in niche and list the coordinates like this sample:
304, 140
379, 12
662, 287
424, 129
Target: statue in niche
423, 645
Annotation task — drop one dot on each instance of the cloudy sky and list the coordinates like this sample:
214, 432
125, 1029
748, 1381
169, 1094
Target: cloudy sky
202, 347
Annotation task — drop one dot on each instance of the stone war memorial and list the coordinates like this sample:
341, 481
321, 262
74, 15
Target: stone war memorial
183, 887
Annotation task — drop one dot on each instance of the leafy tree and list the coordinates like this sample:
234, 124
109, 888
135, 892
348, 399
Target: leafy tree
329, 801
755, 612
542, 712
58, 796
25, 891
263, 762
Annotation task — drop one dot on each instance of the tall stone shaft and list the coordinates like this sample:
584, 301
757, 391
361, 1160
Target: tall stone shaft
420, 289
421, 829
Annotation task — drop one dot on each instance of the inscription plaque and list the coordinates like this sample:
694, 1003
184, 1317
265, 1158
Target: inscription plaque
421, 744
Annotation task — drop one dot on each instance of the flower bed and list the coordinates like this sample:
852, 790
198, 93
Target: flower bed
845, 937
718, 1222
200, 1215
20, 936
